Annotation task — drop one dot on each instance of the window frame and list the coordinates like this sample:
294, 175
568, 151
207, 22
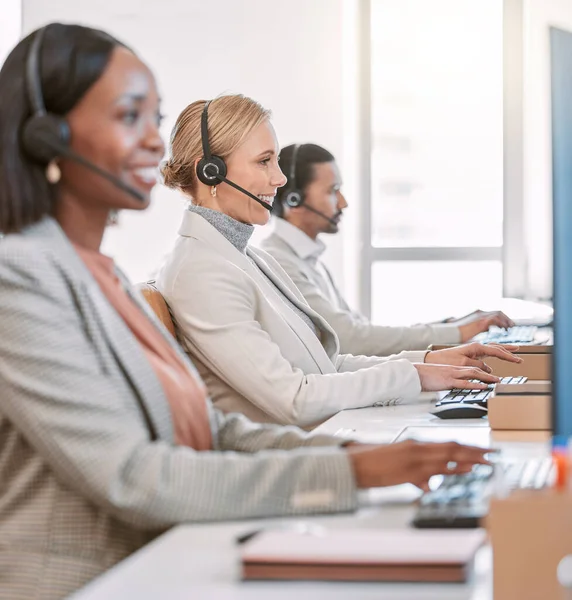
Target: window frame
512, 252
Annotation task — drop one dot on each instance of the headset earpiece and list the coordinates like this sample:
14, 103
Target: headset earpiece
210, 170
44, 136
293, 199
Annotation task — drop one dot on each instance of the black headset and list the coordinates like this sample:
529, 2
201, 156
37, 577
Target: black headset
293, 196
211, 169
46, 136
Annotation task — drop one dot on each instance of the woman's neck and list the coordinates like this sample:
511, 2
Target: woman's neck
237, 233
83, 225
213, 203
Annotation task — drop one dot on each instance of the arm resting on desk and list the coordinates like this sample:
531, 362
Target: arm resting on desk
357, 334
77, 413
236, 432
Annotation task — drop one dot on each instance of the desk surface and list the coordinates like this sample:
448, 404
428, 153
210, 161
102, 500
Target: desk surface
201, 561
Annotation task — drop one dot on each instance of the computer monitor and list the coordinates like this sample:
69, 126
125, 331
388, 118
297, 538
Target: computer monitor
561, 88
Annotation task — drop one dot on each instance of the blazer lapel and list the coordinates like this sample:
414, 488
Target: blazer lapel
311, 341
124, 346
195, 226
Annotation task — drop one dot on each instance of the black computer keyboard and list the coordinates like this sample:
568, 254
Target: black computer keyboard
461, 501
480, 397
521, 334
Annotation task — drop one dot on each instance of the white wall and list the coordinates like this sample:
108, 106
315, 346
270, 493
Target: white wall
287, 54
298, 58
10, 26
539, 16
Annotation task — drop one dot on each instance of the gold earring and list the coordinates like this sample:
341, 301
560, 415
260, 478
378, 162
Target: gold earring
213, 191
53, 173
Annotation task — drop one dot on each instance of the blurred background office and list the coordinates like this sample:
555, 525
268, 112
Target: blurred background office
438, 112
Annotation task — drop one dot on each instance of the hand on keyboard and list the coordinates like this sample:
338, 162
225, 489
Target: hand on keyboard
483, 321
479, 397
470, 355
524, 334
411, 462
436, 378
462, 500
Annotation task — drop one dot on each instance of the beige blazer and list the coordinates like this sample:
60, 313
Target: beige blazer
255, 354
299, 256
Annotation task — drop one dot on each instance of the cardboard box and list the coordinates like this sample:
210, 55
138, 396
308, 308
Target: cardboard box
537, 363
531, 532
520, 411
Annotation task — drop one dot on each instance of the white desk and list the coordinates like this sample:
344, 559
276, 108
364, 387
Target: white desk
200, 562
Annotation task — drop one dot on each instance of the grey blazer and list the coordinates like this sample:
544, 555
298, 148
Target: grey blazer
88, 468
297, 255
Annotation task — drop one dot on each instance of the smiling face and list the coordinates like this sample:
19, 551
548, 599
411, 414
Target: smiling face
253, 166
115, 126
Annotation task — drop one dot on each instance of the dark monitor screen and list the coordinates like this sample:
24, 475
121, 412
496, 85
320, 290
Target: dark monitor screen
561, 83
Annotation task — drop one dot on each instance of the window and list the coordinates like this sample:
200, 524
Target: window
431, 290
436, 212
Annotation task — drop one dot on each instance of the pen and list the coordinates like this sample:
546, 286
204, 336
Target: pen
245, 537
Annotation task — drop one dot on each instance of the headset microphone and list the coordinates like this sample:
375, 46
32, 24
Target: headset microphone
67, 152
211, 169
235, 186
331, 220
46, 136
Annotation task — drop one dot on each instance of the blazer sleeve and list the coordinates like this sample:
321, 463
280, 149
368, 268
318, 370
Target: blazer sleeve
215, 305
347, 363
358, 335
236, 432
61, 398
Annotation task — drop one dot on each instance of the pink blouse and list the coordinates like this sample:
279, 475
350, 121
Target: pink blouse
186, 395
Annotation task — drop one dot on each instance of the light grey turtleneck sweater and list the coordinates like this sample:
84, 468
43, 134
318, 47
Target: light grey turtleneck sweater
239, 234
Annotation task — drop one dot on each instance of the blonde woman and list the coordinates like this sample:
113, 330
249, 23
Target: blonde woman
260, 348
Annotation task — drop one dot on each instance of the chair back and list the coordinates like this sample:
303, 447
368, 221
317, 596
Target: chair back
157, 303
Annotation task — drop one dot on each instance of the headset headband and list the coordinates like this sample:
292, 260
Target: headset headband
292, 176
33, 74
205, 131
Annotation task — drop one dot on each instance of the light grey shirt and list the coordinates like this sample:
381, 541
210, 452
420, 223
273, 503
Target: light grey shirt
300, 257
